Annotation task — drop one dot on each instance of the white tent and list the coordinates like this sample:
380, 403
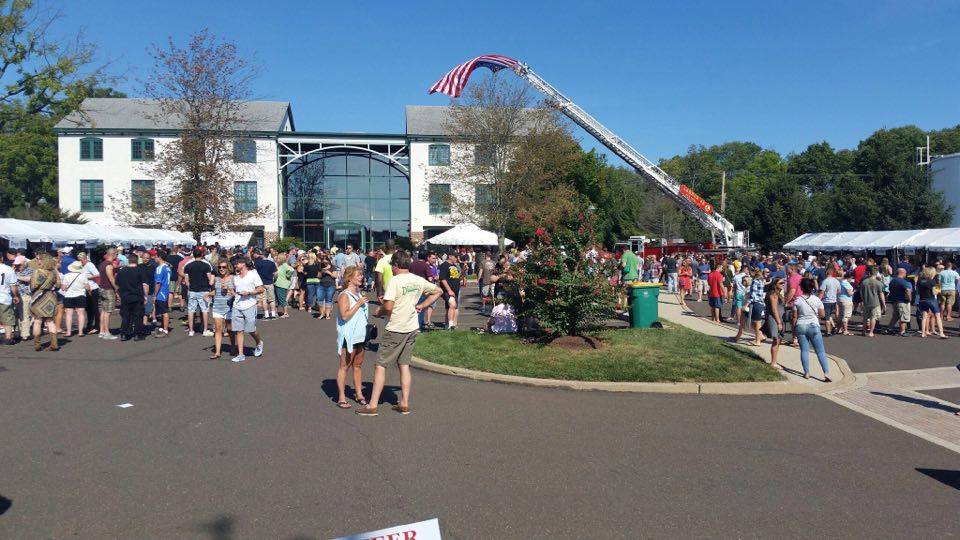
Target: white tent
933, 239
18, 232
466, 234
227, 239
891, 239
948, 242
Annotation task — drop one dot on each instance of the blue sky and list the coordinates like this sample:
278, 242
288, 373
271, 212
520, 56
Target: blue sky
662, 75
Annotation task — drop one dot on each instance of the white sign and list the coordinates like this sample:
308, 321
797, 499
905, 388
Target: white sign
423, 530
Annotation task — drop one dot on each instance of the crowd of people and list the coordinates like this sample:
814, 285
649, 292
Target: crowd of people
808, 298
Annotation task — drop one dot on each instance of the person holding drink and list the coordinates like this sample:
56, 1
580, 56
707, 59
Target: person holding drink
222, 294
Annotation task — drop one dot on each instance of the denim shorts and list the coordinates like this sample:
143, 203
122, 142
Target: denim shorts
716, 303
198, 302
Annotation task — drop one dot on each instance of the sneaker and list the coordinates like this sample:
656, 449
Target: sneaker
285, 316
110, 337
207, 333
401, 409
369, 410
258, 352
191, 333
238, 358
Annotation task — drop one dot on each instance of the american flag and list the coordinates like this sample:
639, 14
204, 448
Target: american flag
453, 82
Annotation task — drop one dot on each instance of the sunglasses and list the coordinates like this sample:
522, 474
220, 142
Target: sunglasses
224, 267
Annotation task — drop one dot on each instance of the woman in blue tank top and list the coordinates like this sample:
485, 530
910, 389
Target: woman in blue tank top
352, 312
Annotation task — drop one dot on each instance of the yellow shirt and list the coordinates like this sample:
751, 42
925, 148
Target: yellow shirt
405, 291
384, 267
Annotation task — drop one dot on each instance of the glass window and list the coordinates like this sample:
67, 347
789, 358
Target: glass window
380, 209
400, 228
439, 199
399, 188
245, 196
399, 208
141, 149
358, 187
358, 165
91, 195
245, 151
483, 197
378, 167
335, 187
484, 155
142, 195
439, 154
336, 209
358, 209
91, 148
335, 164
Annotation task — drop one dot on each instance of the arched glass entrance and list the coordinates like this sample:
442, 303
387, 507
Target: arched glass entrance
334, 195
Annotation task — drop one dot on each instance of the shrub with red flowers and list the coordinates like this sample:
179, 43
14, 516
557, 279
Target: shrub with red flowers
566, 284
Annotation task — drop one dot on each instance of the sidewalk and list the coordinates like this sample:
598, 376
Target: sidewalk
789, 358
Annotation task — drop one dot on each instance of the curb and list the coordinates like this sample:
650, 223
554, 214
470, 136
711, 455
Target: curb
741, 388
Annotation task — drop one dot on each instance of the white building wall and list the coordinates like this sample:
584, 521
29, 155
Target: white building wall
422, 174
117, 169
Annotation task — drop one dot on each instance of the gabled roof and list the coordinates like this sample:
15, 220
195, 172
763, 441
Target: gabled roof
144, 115
427, 120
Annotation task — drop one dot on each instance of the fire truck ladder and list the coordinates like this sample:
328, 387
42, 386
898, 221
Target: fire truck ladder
719, 227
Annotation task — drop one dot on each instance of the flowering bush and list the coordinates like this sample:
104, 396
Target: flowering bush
567, 286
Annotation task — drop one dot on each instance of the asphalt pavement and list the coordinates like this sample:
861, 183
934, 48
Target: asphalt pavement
212, 449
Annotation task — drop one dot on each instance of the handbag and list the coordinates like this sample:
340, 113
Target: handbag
372, 332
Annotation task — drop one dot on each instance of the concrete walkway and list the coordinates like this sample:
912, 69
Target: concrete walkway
789, 357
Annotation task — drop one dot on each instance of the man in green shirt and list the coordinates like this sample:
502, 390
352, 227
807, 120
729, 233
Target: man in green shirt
281, 285
384, 269
630, 263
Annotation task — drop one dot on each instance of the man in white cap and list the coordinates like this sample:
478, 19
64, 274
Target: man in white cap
9, 295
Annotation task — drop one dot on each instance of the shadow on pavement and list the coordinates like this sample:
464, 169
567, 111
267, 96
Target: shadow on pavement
5, 505
928, 403
220, 528
388, 396
950, 478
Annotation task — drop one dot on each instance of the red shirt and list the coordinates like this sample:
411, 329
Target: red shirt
793, 284
858, 273
715, 281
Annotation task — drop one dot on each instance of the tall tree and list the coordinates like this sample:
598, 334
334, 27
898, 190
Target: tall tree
508, 155
42, 78
203, 85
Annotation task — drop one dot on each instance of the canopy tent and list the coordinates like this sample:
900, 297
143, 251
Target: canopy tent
931, 239
18, 232
466, 234
227, 239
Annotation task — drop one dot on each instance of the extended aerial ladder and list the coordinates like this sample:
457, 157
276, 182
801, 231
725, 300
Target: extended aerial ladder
720, 228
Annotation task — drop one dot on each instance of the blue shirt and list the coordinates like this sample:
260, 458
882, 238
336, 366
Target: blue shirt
948, 280
898, 290
703, 270
778, 274
162, 278
266, 269
65, 262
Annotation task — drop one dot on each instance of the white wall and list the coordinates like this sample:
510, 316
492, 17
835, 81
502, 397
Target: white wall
117, 170
422, 175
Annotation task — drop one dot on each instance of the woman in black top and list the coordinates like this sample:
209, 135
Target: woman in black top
301, 282
928, 304
311, 276
328, 286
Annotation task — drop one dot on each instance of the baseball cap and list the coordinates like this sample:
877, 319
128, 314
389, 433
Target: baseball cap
152, 252
19, 259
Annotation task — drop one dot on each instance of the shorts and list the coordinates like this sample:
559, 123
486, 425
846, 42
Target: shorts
757, 311
108, 301
738, 301
901, 310
221, 314
829, 309
148, 307
396, 347
8, 316
846, 309
161, 307
716, 303
930, 305
281, 296
487, 291
948, 297
771, 330
267, 295
77, 302
703, 286
872, 313
455, 298
184, 292
198, 302
244, 320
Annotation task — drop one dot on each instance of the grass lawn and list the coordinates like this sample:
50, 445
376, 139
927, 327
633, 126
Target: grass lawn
639, 355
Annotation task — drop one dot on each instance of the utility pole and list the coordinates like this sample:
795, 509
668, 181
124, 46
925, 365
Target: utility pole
723, 192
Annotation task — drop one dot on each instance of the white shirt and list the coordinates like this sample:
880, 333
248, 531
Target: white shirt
90, 270
7, 278
75, 282
830, 288
248, 284
807, 309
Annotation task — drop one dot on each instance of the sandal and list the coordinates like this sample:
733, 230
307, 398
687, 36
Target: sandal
215, 356
344, 405
361, 401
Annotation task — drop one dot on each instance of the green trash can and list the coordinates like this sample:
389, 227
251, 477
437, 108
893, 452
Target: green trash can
643, 304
